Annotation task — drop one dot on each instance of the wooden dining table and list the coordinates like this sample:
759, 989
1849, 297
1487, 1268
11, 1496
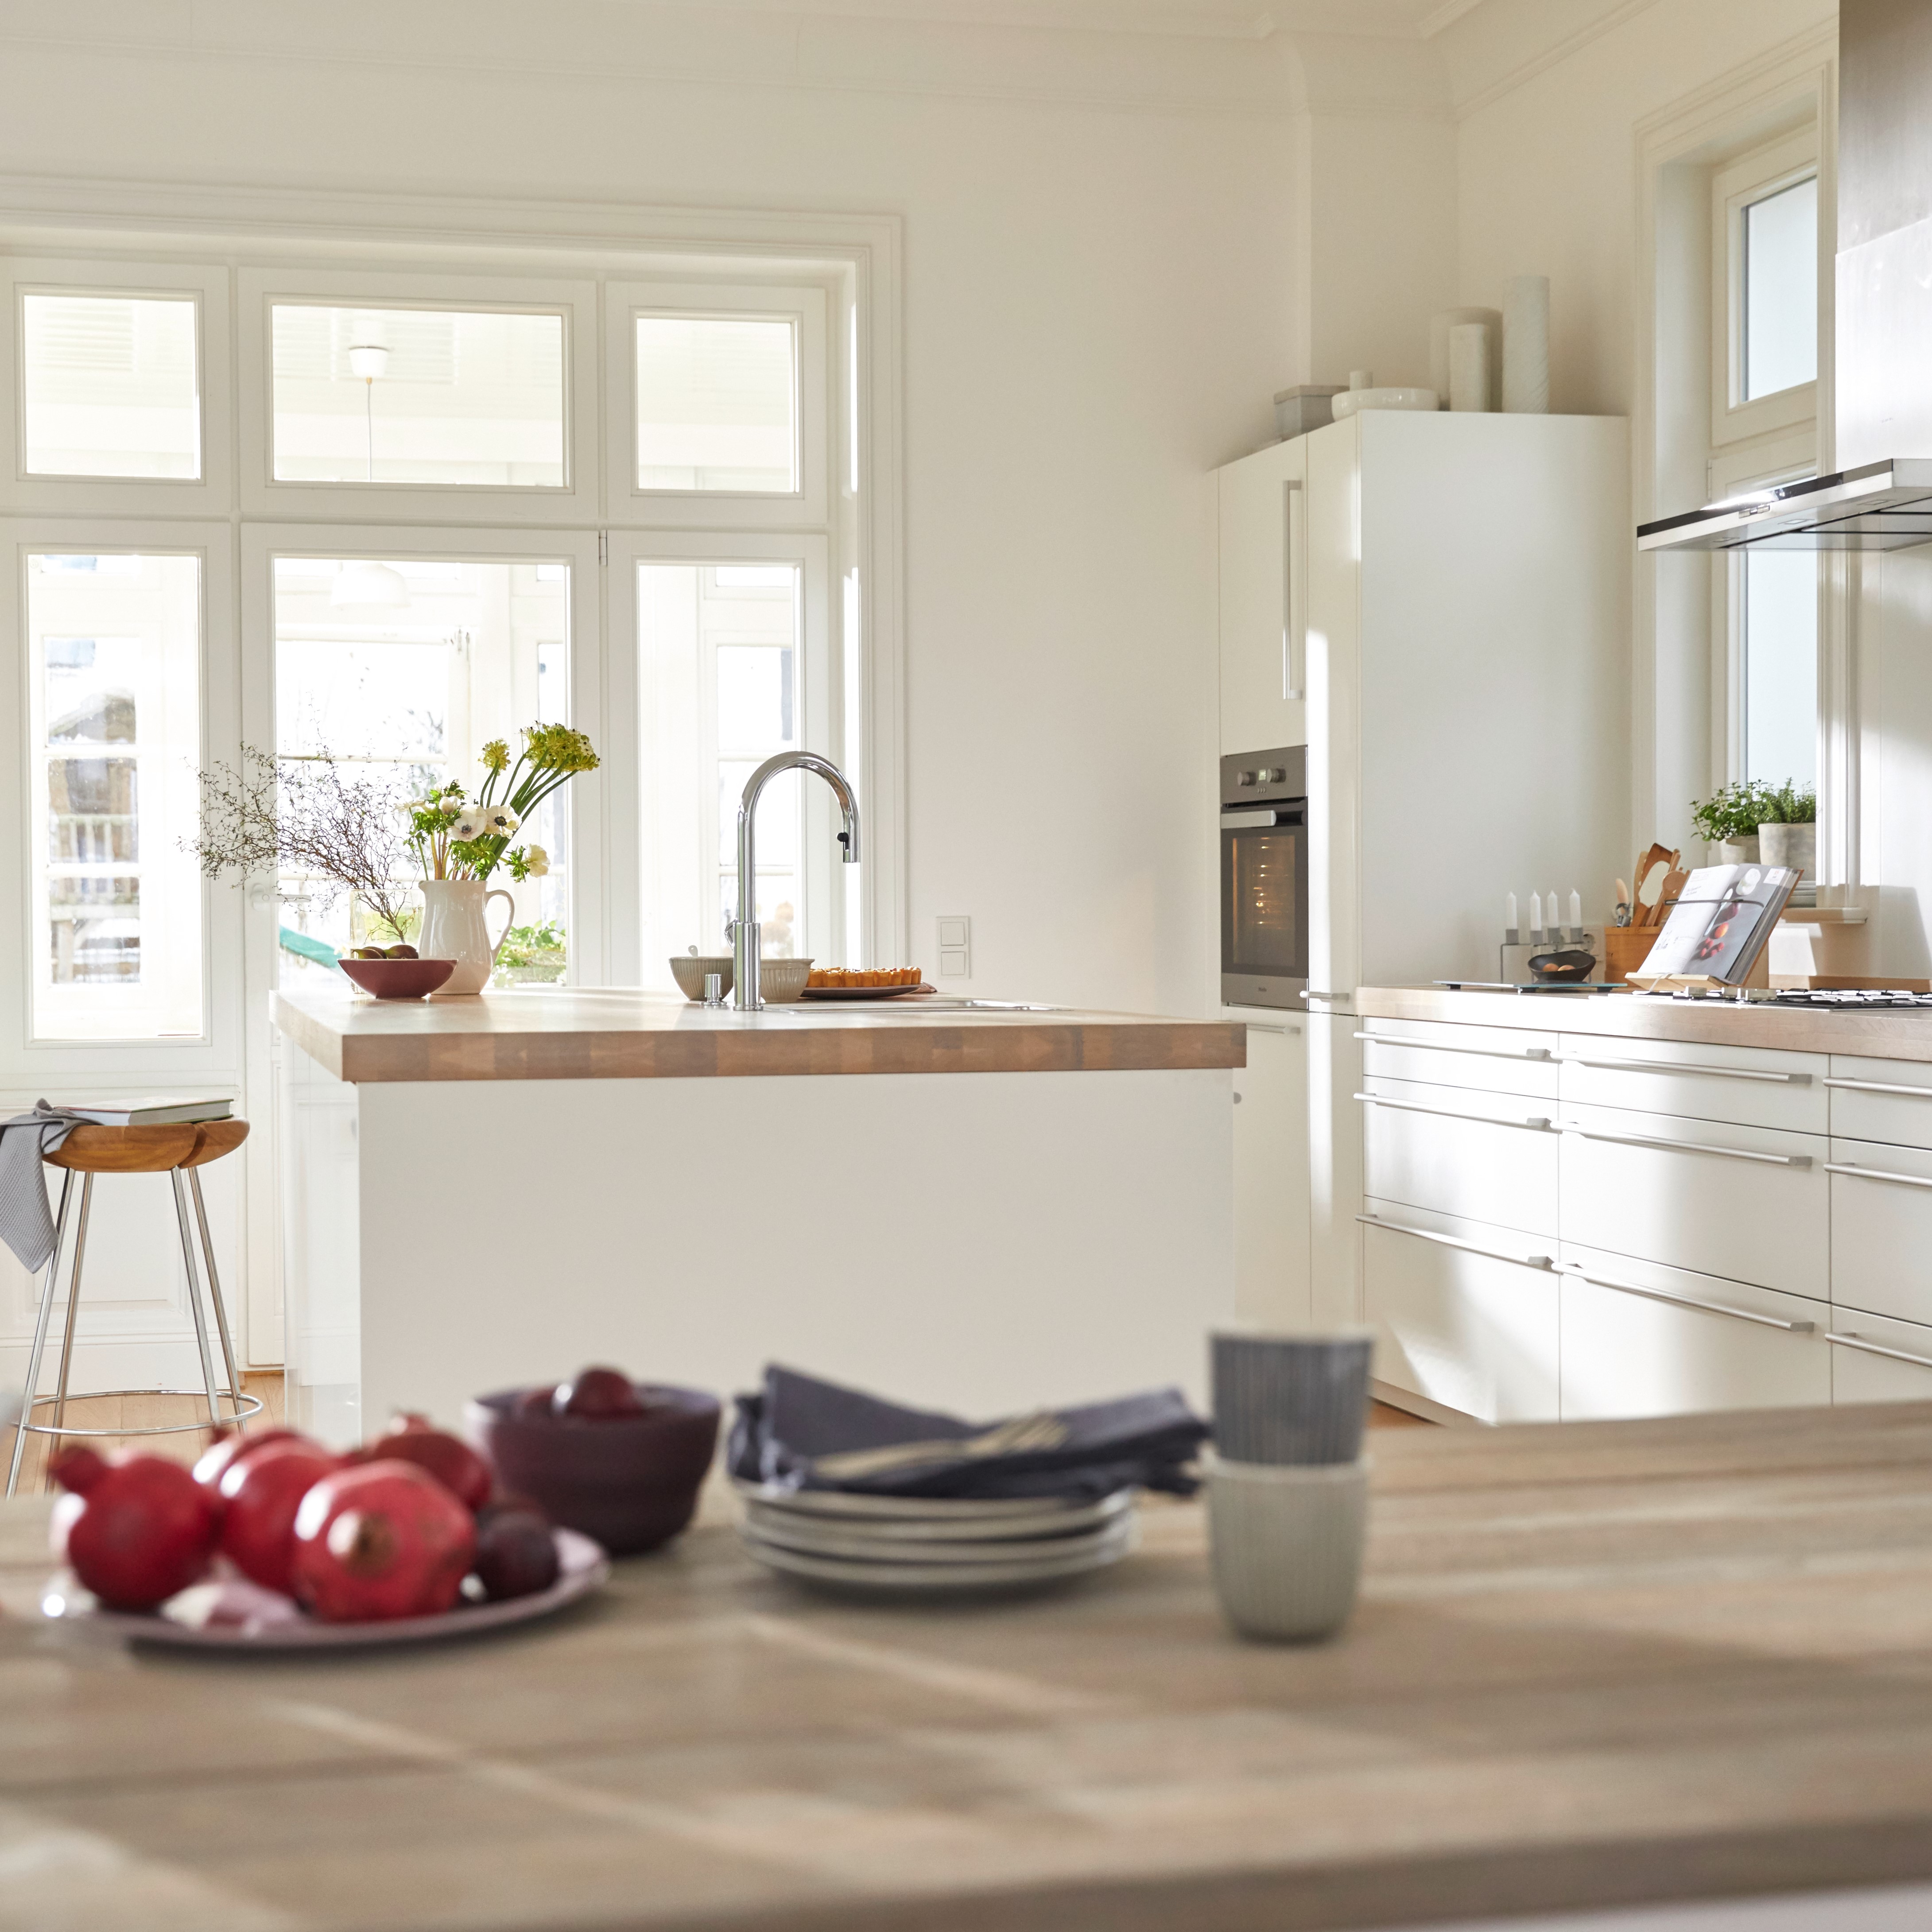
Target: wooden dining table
1592, 1664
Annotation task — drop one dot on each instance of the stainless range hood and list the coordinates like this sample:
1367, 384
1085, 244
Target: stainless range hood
1882, 499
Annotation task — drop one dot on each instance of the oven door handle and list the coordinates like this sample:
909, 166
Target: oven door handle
1288, 817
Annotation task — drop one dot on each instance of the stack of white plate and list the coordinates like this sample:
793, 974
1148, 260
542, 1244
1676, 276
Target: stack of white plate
932, 1547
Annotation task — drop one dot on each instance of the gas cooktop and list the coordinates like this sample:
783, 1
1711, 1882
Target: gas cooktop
1849, 999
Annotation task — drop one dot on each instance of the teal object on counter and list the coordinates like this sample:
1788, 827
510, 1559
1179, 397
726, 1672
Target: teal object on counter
320, 950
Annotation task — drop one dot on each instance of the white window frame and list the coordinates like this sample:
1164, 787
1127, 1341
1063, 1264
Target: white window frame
805, 304
1735, 188
207, 286
587, 796
135, 1064
576, 501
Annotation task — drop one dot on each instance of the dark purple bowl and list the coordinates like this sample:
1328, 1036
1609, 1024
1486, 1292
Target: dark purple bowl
630, 1481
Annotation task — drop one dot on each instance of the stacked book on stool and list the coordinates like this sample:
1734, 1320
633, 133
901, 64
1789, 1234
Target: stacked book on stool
1288, 1488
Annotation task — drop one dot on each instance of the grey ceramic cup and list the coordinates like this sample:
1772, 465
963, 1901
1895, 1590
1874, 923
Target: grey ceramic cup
1285, 1545
1290, 1400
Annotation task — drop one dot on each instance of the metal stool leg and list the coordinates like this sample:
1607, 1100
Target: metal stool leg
214, 1295
39, 1341
194, 1299
72, 1323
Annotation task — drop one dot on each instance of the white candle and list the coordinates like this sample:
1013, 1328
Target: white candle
1536, 913
1576, 911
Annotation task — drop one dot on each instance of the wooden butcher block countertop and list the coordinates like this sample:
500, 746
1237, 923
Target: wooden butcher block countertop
1897, 1033
1593, 1664
624, 1034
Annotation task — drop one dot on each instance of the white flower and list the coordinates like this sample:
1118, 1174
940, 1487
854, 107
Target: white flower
537, 871
536, 855
500, 823
468, 825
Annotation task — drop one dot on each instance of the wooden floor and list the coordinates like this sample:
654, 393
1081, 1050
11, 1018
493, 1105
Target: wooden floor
111, 1411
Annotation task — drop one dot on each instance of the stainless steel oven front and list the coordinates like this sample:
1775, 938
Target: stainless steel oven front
1265, 877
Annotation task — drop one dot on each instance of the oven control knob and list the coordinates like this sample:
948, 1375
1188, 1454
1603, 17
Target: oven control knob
1247, 777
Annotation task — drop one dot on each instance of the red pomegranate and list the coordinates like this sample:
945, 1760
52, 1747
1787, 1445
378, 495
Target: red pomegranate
457, 1467
135, 1529
229, 1446
595, 1393
378, 1540
263, 1490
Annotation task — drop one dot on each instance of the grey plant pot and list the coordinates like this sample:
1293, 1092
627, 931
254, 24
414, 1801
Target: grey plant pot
1795, 846
1739, 852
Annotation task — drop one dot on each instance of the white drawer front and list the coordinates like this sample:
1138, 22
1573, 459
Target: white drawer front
1749, 1086
1642, 1339
1745, 1204
1882, 1229
1881, 1100
1493, 1060
1464, 1314
1874, 1359
1479, 1155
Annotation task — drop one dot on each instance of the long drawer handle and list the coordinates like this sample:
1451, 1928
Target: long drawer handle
1882, 1087
1859, 1342
1540, 1122
1545, 1262
1669, 1066
1542, 1053
1877, 1174
1690, 1147
1689, 1301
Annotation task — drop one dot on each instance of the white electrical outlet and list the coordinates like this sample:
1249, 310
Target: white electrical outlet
956, 946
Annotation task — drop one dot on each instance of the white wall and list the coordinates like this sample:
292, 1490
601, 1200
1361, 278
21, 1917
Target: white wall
1098, 308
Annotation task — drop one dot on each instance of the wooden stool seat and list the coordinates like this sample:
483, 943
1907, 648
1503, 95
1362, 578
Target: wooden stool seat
94, 1150
177, 1150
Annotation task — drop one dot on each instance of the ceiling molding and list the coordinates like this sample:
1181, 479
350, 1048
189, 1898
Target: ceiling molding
1553, 56
1446, 16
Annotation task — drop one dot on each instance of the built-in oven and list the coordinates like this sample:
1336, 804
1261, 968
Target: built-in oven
1265, 877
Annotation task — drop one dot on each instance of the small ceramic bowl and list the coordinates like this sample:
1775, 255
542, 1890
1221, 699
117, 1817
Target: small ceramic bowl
1348, 401
689, 969
630, 1481
783, 980
398, 978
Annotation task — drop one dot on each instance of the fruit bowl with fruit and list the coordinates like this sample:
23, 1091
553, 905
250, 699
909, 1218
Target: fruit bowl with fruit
623, 1461
397, 974
276, 1542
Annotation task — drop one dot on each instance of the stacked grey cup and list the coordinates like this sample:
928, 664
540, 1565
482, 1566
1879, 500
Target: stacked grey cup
1288, 1487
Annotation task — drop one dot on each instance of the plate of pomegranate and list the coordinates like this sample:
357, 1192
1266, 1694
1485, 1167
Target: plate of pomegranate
274, 1542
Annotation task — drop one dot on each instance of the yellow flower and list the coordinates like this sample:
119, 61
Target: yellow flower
496, 755
557, 748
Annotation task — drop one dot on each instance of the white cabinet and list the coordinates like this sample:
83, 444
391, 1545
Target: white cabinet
1746, 1203
1262, 550
1641, 1339
1873, 1360
1882, 1229
1494, 1060
1881, 1100
1463, 1314
1747, 1085
1271, 1178
1483, 1156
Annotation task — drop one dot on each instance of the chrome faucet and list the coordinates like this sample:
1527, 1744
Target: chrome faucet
743, 930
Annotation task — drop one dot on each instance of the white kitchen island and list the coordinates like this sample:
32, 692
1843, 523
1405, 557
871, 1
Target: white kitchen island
970, 1207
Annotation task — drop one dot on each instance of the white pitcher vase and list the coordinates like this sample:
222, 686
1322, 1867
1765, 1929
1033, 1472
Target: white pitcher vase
453, 928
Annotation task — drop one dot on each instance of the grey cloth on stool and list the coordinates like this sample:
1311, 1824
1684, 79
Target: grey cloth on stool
26, 1222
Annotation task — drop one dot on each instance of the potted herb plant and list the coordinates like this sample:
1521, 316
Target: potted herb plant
534, 955
1729, 819
1788, 830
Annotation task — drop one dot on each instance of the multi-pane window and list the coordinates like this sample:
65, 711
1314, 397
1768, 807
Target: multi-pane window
1780, 667
717, 403
1778, 243
446, 397
719, 660
110, 386
113, 739
399, 671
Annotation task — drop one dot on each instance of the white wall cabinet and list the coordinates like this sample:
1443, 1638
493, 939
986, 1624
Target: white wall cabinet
1271, 1271
1263, 592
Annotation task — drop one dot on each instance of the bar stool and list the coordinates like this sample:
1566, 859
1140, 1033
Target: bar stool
179, 1152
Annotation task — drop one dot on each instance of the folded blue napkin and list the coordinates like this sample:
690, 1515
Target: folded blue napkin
798, 1432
